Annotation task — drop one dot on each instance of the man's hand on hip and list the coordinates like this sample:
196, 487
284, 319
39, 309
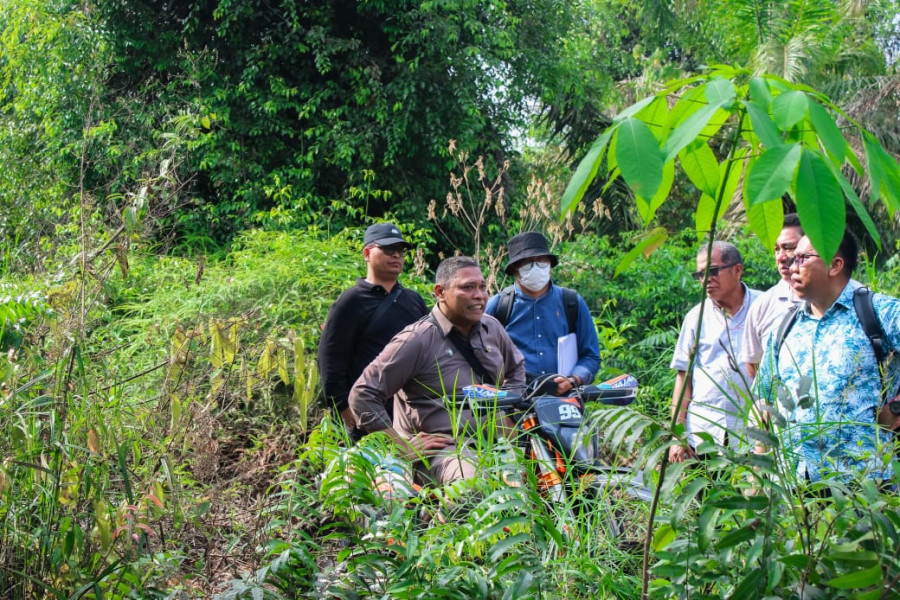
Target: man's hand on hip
680, 453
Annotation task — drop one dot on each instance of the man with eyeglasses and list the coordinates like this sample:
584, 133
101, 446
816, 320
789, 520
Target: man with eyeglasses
767, 312
536, 313
716, 392
824, 374
365, 317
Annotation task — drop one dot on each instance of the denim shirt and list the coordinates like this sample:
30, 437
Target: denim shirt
827, 385
536, 324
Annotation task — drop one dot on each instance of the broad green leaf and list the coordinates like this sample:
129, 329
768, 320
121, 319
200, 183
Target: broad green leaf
639, 158
677, 84
646, 246
501, 547
584, 174
732, 170
820, 204
647, 209
688, 130
766, 219
749, 587
690, 102
856, 203
656, 116
719, 91
752, 503
662, 537
727, 71
707, 522
854, 556
632, 110
760, 94
718, 120
789, 109
828, 131
858, 579
763, 126
703, 216
701, 167
854, 162
884, 174
771, 175
612, 165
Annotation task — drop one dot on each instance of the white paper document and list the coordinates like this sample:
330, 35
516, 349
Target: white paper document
566, 354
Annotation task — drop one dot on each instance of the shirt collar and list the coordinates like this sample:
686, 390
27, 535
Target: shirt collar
844, 299
446, 326
373, 287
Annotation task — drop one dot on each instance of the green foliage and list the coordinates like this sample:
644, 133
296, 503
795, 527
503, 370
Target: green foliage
800, 154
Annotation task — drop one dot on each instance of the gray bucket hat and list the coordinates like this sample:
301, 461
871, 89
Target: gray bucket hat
529, 244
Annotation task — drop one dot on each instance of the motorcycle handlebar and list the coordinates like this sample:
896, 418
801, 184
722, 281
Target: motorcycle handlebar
587, 393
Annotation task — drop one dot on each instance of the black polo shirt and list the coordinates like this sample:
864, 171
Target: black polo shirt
349, 343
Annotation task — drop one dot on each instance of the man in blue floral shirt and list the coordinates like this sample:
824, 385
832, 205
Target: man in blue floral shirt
825, 377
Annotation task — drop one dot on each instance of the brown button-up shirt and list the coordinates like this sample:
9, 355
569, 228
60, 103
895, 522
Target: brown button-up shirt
420, 365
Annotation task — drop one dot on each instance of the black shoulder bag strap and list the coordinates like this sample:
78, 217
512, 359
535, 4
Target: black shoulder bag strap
865, 312
465, 348
382, 308
785, 326
508, 295
504, 306
570, 303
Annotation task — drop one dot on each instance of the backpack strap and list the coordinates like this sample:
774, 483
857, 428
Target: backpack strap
864, 306
508, 296
865, 311
504, 306
785, 327
570, 303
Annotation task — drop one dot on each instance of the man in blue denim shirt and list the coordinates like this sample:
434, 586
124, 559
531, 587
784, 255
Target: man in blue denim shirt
825, 376
538, 317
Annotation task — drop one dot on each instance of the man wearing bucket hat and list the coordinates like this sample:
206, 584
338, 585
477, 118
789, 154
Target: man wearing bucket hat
536, 313
365, 317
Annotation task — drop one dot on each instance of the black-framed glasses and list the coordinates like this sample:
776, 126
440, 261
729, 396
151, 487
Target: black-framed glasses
713, 271
393, 250
801, 257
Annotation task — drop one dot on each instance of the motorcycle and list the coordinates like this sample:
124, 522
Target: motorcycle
565, 453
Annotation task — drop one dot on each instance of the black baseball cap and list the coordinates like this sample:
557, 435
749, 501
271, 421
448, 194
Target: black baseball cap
384, 234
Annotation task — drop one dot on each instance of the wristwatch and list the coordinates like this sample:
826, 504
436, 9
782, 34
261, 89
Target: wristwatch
894, 405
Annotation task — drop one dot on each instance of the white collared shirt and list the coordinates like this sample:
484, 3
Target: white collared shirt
720, 385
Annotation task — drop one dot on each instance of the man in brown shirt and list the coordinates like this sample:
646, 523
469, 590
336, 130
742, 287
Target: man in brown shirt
427, 360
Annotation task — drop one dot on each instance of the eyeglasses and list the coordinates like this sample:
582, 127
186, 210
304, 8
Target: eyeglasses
801, 258
527, 267
395, 250
713, 272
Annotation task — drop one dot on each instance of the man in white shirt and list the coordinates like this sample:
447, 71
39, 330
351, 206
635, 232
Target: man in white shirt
767, 312
717, 388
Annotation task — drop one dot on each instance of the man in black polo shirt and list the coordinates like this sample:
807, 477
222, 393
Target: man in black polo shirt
365, 317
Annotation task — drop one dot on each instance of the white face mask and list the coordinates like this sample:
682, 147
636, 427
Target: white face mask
534, 276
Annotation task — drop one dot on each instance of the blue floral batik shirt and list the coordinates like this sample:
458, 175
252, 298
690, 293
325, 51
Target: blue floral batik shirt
825, 381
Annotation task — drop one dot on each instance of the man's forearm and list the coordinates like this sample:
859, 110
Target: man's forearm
681, 397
